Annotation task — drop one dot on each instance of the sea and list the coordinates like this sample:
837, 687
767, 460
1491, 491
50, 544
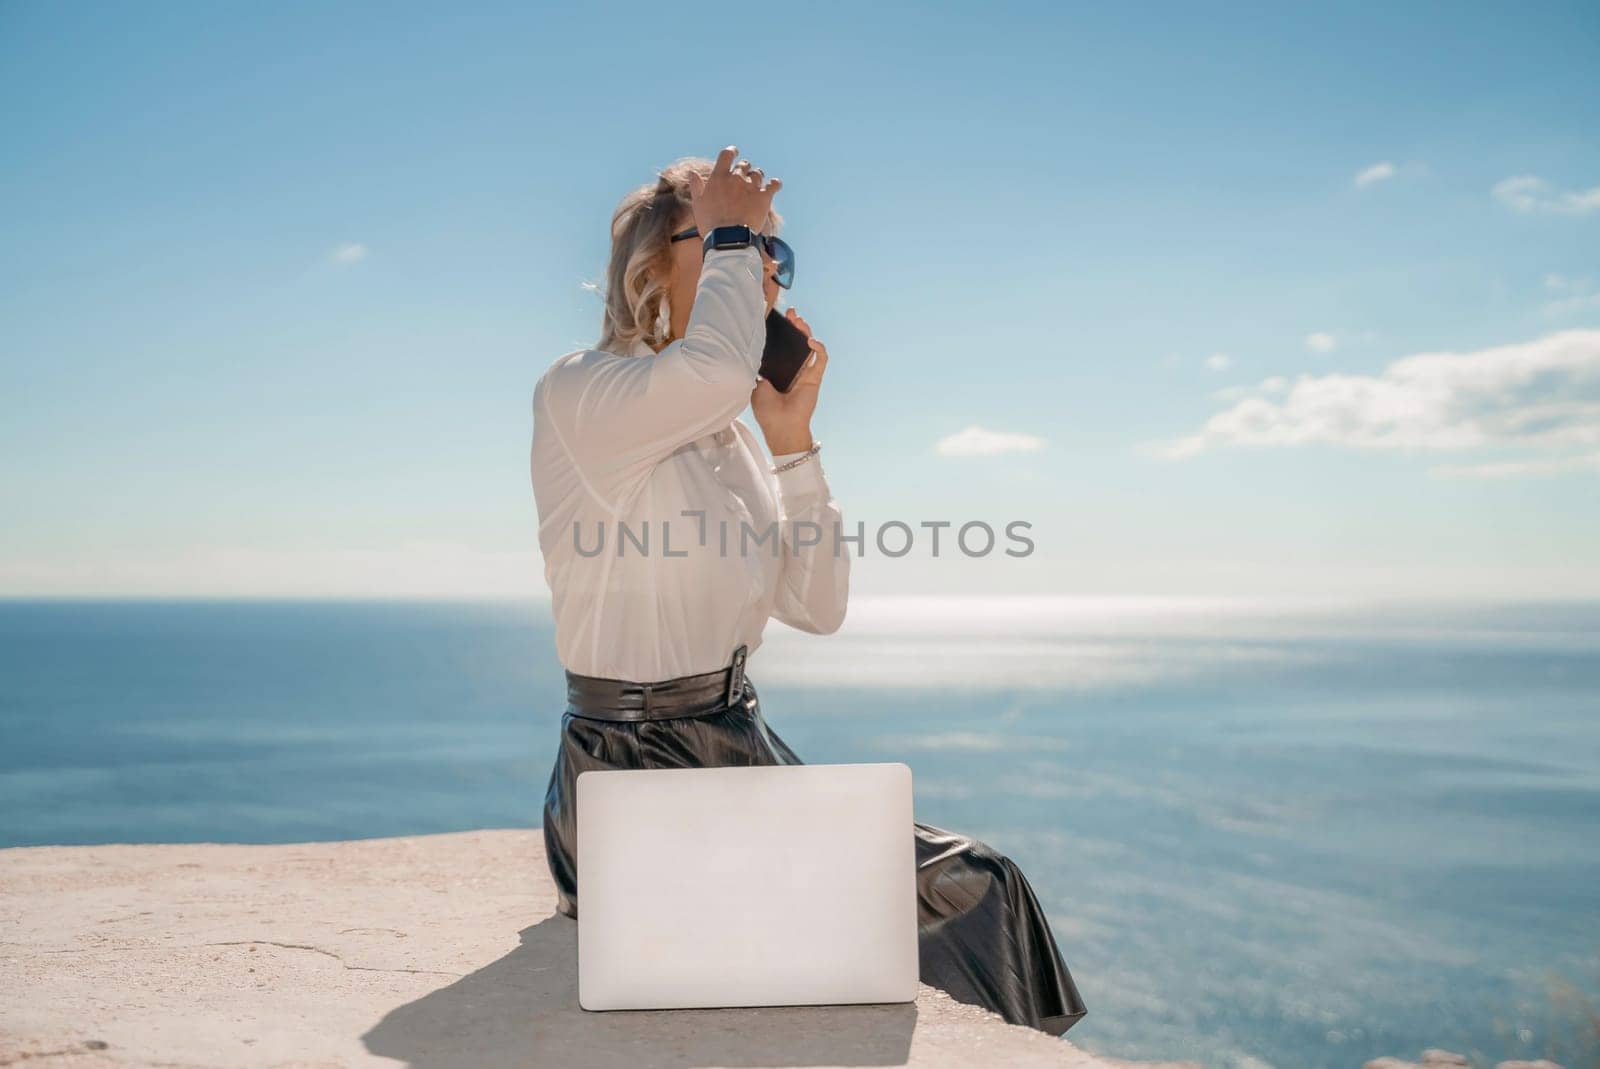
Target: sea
1268, 832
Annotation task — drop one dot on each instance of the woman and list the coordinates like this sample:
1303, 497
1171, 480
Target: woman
645, 480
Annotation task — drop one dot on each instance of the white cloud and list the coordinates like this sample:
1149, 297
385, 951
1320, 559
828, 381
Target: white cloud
1541, 396
1321, 342
1530, 193
1581, 302
1374, 174
1219, 361
348, 253
976, 441
1577, 295
1509, 469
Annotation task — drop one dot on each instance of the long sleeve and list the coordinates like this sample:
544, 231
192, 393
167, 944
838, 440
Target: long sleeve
814, 583
618, 416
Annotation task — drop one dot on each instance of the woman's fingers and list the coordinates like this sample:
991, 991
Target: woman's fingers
811, 371
735, 191
749, 173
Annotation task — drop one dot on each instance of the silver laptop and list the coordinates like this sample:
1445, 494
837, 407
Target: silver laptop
769, 885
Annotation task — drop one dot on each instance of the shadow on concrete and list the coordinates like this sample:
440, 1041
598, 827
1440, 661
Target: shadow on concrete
523, 1011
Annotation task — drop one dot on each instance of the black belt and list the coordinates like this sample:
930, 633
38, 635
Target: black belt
617, 699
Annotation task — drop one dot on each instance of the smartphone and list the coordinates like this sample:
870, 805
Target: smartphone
786, 353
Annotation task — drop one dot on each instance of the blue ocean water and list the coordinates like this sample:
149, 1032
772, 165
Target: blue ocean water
1267, 834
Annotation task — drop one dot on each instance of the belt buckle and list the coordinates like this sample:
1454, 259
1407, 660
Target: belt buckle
736, 675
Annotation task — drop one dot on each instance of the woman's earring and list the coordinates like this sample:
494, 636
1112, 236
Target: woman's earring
663, 322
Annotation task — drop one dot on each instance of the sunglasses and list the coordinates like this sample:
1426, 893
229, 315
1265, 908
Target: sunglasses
776, 248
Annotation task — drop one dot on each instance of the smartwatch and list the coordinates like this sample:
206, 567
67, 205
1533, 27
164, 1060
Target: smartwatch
737, 236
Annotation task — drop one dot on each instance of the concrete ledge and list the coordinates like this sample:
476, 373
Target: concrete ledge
431, 951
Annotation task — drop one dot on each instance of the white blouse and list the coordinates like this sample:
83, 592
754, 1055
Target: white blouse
685, 541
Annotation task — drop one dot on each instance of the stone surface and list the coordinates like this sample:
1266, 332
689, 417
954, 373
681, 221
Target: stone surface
432, 951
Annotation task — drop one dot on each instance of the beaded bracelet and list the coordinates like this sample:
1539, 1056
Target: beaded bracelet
801, 459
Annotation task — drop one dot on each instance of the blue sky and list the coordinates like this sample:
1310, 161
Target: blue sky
277, 281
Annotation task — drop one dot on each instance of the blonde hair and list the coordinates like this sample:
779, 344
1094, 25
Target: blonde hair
639, 272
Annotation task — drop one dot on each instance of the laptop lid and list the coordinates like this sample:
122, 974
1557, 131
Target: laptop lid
769, 885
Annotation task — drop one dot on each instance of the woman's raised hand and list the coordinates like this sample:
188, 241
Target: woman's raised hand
733, 194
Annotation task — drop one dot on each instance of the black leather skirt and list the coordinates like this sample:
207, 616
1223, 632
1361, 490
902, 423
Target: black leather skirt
983, 937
